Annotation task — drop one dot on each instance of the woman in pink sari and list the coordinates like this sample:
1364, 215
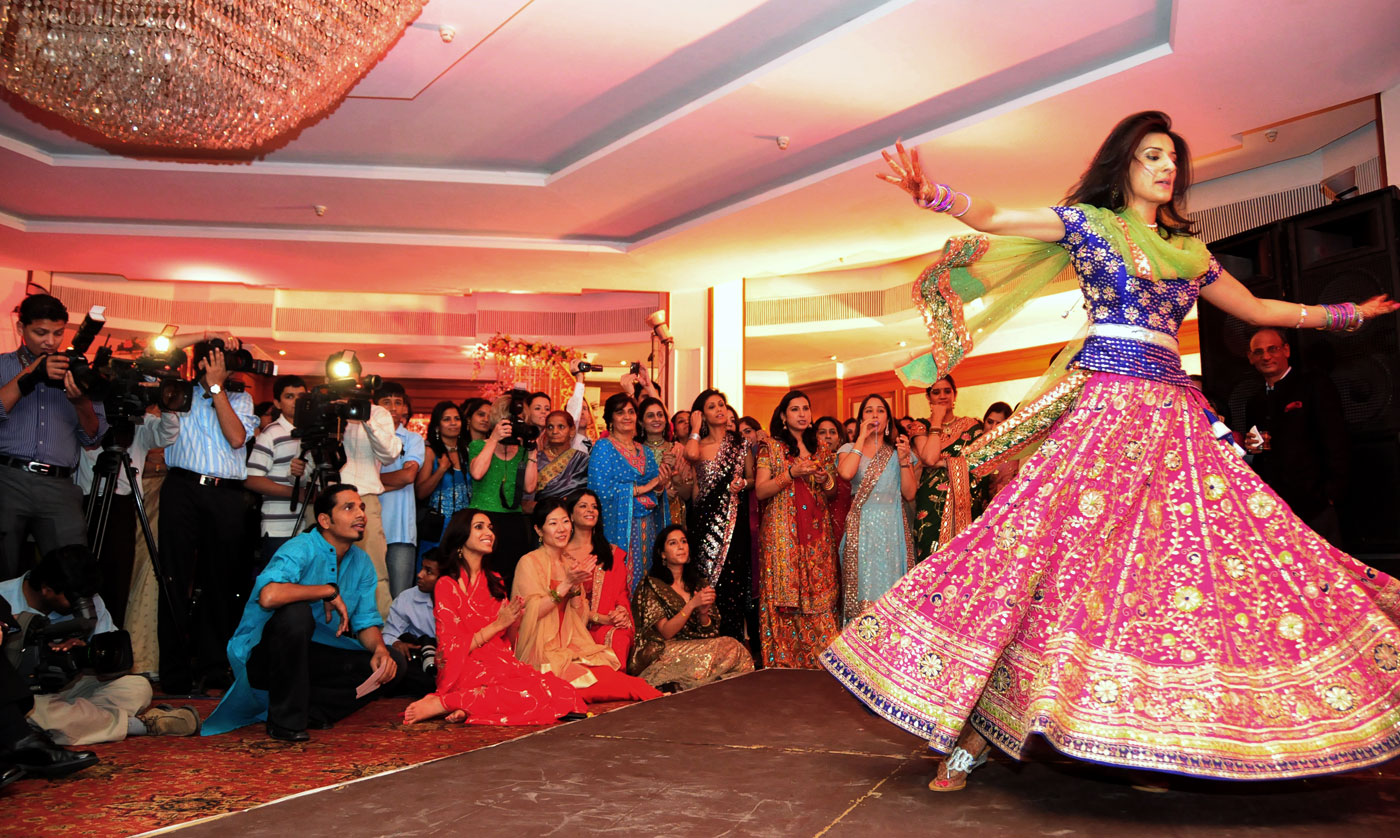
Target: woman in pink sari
605, 586
1136, 595
479, 680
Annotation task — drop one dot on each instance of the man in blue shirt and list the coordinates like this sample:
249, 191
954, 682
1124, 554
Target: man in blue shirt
44, 422
202, 543
310, 631
399, 508
411, 626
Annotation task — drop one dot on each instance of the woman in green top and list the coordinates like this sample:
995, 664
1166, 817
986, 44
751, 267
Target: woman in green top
501, 477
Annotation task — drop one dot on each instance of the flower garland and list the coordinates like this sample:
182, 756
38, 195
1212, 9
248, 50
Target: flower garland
514, 350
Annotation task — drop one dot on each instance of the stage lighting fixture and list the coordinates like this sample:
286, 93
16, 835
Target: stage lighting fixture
162, 343
343, 365
657, 321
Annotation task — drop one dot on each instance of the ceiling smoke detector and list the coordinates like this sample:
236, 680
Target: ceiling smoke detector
320, 210
783, 143
447, 32
1271, 135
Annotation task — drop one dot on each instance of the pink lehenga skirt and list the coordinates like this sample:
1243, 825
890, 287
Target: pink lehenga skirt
1138, 597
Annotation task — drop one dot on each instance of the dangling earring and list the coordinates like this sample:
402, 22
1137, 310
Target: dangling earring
1113, 197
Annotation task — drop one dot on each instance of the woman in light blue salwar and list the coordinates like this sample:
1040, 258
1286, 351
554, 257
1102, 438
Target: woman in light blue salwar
878, 548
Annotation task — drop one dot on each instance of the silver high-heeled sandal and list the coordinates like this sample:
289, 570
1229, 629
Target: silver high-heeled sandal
960, 760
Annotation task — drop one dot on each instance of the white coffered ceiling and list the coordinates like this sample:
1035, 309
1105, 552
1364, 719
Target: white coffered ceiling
557, 145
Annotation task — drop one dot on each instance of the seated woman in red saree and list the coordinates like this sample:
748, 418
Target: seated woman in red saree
605, 587
552, 634
479, 680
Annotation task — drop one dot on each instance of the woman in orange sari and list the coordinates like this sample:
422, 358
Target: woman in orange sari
605, 587
798, 582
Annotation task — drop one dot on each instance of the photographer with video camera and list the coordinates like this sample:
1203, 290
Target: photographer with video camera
503, 472
371, 444
44, 421
67, 634
308, 651
204, 557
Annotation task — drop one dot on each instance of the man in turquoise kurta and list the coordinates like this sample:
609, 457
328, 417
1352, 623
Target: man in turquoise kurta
310, 632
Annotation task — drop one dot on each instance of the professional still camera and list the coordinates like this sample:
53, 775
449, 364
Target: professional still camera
521, 431
241, 360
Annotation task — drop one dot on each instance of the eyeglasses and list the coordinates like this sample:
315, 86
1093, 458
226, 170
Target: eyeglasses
1264, 351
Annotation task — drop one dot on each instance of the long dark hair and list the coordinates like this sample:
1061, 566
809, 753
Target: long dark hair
699, 404
690, 574
599, 544
1105, 182
840, 428
435, 427
469, 407
889, 436
642, 409
778, 429
450, 563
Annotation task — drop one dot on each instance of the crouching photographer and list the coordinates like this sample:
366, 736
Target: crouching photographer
411, 629
72, 656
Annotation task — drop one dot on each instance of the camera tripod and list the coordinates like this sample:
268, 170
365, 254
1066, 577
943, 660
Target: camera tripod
116, 459
328, 456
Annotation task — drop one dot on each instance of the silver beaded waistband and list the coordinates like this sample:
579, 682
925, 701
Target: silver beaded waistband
1138, 333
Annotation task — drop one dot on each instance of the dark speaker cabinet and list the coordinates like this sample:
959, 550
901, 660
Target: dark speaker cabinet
1345, 252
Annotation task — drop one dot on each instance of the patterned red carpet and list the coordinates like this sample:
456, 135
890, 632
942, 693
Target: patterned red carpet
146, 783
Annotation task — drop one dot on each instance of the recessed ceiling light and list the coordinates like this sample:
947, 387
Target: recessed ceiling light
833, 358
904, 343
381, 354
281, 352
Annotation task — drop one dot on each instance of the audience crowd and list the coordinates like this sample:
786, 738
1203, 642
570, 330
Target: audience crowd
510, 566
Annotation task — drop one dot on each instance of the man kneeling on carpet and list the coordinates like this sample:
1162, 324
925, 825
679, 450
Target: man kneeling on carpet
308, 651
100, 701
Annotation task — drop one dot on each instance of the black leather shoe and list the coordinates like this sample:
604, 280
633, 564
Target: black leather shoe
40, 757
286, 734
9, 773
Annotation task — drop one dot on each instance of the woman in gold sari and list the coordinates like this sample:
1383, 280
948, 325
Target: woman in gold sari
678, 640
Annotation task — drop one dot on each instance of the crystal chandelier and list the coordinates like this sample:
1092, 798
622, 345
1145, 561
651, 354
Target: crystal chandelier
191, 74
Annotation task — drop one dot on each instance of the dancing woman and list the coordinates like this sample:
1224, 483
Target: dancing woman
719, 527
1136, 596
479, 680
798, 581
630, 485
944, 506
878, 547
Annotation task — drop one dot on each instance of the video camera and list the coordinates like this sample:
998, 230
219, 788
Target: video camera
321, 411
31, 639
126, 387
522, 432
241, 360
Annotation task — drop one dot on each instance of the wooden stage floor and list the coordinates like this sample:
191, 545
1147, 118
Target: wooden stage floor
789, 753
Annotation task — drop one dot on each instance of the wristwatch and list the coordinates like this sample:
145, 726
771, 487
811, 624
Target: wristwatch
215, 389
335, 592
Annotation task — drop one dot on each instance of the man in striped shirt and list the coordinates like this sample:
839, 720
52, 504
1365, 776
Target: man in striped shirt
274, 465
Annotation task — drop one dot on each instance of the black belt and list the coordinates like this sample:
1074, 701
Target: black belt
203, 479
36, 467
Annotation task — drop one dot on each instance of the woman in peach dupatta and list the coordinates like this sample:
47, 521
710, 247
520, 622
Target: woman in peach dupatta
605, 587
553, 632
